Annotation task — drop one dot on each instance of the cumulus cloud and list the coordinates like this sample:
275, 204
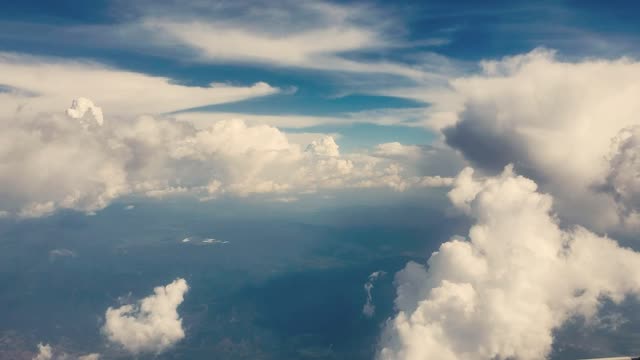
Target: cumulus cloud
369, 308
84, 160
325, 146
44, 352
555, 121
151, 325
519, 276
81, 106
90, 357
622, 179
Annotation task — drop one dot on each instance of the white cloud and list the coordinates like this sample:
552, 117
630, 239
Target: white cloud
277, 36
55, 161
56, 253
303, 139
318, 35
435, 158
369, 309
398, 150
152, 325
214, 241
41, 84
324, 146
81, 106
501, 293
93, 356
44, 352
554, 120
434, 181
622, 180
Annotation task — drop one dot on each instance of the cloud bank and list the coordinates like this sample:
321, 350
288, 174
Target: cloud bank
518, 277
84, 160
152, 325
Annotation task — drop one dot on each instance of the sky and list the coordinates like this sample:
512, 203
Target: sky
442, 180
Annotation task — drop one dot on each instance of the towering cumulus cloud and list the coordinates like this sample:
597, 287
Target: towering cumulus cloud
152, 325
556, 122
501, 293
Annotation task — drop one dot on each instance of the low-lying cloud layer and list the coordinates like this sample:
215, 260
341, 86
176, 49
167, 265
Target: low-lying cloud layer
518, 277
84, 160
152, 325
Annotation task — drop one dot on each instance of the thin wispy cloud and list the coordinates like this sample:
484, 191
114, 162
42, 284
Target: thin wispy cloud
41, 84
